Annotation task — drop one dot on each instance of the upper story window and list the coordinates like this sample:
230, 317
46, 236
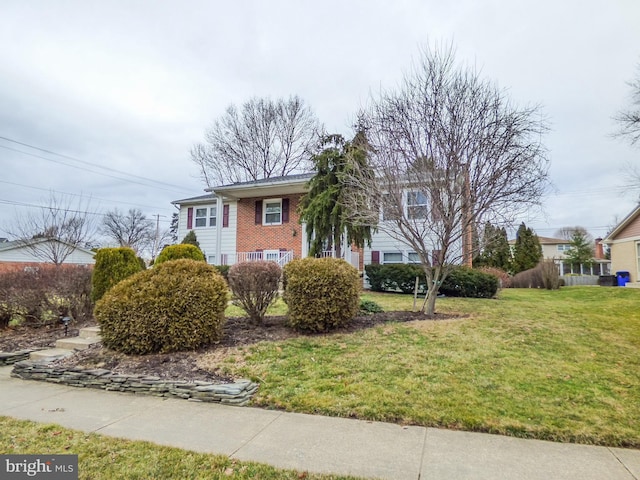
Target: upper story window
416, 205
205, 216
564, 248
272, 212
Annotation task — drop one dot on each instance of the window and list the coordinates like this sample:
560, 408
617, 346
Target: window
392, 257
564, 247
206, 215
413, 257
211, 259
272, 212
416, 205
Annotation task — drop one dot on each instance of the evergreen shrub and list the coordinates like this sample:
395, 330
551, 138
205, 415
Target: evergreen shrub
182, 250
321, 293
177, 305
255, 287
112, 265
467, 282
395, 277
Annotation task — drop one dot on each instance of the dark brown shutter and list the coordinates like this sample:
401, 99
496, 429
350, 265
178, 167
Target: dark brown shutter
375, 257
189, 218
285, 210
258, 212
225, 216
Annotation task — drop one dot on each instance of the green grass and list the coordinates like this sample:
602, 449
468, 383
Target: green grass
101, 457
558, 365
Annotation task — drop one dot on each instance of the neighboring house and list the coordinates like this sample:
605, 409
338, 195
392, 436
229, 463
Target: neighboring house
16, 254
259, 220
555, 249
624, 242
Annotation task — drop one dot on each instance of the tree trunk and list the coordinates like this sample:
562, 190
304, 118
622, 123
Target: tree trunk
430, 304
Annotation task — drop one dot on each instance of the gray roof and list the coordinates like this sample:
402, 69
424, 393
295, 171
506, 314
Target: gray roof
208, 196
270, 180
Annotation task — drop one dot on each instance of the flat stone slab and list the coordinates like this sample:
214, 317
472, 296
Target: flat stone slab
50, 354
76, 343
90, 332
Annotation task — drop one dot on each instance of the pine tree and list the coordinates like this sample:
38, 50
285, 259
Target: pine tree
191, 239
527, 251
496, 251
581, 250
322, 208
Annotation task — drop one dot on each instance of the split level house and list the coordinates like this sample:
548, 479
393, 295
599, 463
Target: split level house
624, 244
259, 220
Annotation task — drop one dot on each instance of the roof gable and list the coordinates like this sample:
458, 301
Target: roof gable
628, 227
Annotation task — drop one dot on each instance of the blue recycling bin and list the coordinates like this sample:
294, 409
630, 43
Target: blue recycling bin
623, 277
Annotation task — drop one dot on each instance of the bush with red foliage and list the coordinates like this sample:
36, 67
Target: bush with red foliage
41, 295
255, 287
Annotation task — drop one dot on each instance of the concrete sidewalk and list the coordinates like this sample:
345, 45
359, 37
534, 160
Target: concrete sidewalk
312, 443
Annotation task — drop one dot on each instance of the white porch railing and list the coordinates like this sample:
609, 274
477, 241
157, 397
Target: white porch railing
353, 258
280, 257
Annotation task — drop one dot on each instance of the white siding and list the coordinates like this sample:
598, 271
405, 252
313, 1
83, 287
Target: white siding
207, 235
23, 254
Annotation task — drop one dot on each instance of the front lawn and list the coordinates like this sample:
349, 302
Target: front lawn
558, 365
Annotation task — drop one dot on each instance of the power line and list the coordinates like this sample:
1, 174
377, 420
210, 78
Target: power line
77, 195
58, 209
62, 155
86, 169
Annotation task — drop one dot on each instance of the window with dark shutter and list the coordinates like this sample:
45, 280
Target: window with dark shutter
258, 212
375, 257
225, 216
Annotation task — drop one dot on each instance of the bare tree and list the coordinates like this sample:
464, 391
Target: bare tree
450, 152
629, 119
265, 138
567, 233
132, 229
54, 232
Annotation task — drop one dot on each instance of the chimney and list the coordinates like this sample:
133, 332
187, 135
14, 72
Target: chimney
599, 249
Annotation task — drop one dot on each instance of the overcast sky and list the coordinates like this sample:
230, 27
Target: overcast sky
130, 86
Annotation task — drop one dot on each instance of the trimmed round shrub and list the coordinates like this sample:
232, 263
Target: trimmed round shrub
254, 286
175, 252
395, 277
466, 282
321, 293
112, 265
177, 305
369, 307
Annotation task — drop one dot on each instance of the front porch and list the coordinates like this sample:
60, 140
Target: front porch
282, 257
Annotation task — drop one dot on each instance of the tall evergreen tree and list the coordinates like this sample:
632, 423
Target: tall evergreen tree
495, 248
527, 251
322, 208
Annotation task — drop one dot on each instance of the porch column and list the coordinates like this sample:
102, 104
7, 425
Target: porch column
219, 213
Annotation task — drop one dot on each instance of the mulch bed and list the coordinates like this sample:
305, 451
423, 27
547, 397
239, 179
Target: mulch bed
239, 331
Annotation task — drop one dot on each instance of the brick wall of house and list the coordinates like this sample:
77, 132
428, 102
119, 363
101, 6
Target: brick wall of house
252, 237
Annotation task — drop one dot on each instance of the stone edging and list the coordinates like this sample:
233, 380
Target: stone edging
14, 357
238, 393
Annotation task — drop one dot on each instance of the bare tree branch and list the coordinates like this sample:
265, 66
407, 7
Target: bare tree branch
450, 152
54, 232
263, 140
629, 119
132, 229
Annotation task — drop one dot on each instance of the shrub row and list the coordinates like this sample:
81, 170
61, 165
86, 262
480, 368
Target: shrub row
40, 295
461, 281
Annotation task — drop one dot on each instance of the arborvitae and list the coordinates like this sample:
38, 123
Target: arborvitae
527, 251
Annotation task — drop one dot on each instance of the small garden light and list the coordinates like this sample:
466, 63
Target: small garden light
65, 321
